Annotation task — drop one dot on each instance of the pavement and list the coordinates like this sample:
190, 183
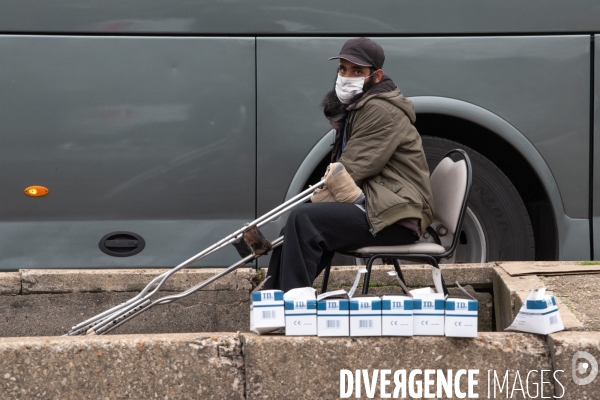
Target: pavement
580, 294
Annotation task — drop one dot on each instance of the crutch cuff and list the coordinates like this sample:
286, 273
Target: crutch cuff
256, 240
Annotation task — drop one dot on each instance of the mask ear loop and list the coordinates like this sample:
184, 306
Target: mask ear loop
364, 83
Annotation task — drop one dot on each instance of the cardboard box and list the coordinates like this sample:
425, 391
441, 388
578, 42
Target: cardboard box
396, 316
333, 317
266, 311
365, 316
333, 314
428, 312
461, 317
538, 315
333, 310
300, 312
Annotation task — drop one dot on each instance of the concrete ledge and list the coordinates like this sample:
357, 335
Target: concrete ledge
511, 291
10, 283
476, 275
128, 280
54, 300
563, 346
55, 314
309, 367
229, 366
184, 366
51, 301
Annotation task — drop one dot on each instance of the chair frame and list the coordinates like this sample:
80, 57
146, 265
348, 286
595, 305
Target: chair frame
432, 259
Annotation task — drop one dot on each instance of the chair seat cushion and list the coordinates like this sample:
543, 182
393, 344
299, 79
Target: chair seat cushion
414, 248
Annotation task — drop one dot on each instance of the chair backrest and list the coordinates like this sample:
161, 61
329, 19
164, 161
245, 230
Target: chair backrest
451, 185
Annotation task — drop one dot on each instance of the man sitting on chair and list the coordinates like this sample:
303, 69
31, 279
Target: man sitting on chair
377, 190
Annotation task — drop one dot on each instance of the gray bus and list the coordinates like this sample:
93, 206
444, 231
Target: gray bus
159, 127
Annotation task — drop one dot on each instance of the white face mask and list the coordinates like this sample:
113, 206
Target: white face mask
347, 88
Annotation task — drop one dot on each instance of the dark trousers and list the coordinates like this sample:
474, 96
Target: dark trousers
314, 232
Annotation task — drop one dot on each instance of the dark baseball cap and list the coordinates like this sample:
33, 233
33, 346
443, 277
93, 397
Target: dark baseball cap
362, 51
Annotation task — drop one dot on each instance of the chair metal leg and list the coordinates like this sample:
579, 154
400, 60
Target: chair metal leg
398, 270
368, 275
416, 257
325, 279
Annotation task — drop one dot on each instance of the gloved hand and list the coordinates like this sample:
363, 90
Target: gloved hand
339, 186
322, 195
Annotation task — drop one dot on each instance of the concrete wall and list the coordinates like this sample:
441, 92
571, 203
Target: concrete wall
50, 302
176, 366
245, 366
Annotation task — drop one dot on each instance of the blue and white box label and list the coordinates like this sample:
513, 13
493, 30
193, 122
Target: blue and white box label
301, 317
333, 317
396, 316
461, 317
428, 312
365, 316
538, 315
266, 311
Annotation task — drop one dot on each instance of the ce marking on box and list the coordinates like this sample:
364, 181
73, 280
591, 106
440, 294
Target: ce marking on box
297, 323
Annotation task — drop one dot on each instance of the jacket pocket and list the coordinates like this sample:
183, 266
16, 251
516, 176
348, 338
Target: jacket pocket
389, 184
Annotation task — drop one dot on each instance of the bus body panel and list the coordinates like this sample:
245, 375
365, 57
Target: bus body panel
153, 117
128, 134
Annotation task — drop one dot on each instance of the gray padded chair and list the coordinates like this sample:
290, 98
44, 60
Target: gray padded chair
451, 185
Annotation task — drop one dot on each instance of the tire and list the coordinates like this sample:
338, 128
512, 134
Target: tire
497, 226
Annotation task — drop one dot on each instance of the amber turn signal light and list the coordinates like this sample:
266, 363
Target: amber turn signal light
36, 191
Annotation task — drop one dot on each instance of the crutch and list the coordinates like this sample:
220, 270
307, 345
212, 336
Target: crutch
116, 316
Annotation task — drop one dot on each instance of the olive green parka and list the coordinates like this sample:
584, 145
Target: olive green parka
384, 155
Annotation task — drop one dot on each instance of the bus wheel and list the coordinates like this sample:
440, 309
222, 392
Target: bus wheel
496, 226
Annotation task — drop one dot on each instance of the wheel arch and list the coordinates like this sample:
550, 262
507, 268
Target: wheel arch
500, 127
